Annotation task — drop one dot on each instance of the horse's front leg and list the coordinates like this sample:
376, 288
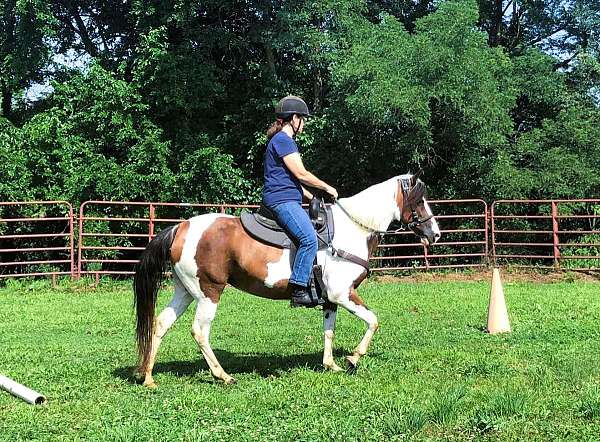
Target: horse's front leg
352, 302
329, 315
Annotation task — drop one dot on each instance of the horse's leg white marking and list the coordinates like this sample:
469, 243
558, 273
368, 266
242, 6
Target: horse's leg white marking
329, 316
179, 303
205, 313
363, 313
278, 271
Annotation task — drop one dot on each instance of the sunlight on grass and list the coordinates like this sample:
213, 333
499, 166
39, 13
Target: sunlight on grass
431, 373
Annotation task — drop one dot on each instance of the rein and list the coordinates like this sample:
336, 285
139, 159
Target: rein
342, 253
415, 222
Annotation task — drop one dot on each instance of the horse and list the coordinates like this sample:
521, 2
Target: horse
209, 251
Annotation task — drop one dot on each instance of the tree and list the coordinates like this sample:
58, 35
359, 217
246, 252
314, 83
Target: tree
25, 28
562, 28
15, 176
95, 141
103, 30
440, 97
560, 159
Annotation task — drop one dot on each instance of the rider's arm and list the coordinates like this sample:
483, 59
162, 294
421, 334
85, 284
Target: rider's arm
294, 163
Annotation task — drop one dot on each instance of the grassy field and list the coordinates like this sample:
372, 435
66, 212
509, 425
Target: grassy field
431, 374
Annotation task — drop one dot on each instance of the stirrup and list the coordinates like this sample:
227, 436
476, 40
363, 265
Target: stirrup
305, 300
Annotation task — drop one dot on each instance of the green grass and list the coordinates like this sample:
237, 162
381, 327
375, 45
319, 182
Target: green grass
431, 373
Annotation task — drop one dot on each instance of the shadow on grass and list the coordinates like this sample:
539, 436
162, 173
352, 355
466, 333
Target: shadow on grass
263, 364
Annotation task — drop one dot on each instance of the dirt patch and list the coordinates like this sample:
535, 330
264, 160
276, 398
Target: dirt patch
508, 275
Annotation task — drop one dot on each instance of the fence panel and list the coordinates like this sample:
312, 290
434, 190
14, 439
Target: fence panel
36, 239
549, 234
464, 244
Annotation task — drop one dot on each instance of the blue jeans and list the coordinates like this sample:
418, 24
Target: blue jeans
295, 221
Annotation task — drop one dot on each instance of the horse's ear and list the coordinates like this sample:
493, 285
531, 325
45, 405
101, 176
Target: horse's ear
416, 176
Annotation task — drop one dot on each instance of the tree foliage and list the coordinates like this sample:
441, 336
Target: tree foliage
170, 100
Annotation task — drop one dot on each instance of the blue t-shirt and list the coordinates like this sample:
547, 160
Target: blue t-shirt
280, 184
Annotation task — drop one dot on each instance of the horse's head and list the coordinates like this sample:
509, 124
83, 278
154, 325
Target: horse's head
413, 210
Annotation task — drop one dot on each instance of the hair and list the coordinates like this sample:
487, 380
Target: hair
277, 126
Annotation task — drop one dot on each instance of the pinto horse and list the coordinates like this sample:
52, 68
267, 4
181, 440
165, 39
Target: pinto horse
207, 252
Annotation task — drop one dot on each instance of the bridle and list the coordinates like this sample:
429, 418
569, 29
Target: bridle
415, 220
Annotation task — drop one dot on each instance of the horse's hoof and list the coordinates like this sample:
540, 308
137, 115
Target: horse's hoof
333, 367
352, 364
151, 385
229, 381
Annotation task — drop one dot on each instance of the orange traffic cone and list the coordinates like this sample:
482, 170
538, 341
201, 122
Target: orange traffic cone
497, 314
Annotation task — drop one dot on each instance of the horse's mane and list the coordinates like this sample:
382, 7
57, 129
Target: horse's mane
366, 207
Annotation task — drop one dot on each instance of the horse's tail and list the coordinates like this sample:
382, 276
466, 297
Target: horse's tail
149, 273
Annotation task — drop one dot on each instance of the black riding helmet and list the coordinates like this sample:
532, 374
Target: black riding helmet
291, 105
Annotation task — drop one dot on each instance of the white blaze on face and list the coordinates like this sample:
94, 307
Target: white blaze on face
187, 268
279, 270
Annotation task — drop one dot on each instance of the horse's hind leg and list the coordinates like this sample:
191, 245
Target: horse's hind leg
205, 313
179, 303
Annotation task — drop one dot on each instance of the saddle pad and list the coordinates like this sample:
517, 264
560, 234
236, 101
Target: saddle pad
279, 238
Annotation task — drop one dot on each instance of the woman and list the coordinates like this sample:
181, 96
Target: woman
284, 175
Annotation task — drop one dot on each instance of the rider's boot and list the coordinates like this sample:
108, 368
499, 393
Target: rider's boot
301, 297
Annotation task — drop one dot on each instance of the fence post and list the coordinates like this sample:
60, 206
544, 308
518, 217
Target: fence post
80, 242
151, 226
493, 258
555, 239
72, 241
487, 240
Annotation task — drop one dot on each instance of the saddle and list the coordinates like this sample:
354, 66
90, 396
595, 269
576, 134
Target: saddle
262, 225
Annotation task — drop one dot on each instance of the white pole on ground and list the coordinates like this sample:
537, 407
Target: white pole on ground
21, 391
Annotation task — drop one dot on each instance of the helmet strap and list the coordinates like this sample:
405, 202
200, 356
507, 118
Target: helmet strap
295, 129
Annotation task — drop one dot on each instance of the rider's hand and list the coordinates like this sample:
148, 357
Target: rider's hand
331, 191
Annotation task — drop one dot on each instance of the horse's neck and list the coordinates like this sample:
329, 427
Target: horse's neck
372, 208
357, 217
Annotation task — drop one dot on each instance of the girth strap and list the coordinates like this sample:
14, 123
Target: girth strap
346, 255
350, 257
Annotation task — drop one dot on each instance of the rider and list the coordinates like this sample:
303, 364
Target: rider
284, 174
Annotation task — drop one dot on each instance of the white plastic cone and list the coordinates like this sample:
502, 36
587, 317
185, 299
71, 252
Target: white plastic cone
497, 313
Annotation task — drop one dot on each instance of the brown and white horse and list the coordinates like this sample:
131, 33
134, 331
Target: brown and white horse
207, 252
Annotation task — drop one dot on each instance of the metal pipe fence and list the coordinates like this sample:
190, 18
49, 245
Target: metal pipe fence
546, 234
38, 238
112, 234
464, 227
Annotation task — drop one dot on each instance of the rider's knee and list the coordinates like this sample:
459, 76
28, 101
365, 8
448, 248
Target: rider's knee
310, 242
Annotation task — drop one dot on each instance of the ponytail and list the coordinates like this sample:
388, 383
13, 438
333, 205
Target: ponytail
277, 126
